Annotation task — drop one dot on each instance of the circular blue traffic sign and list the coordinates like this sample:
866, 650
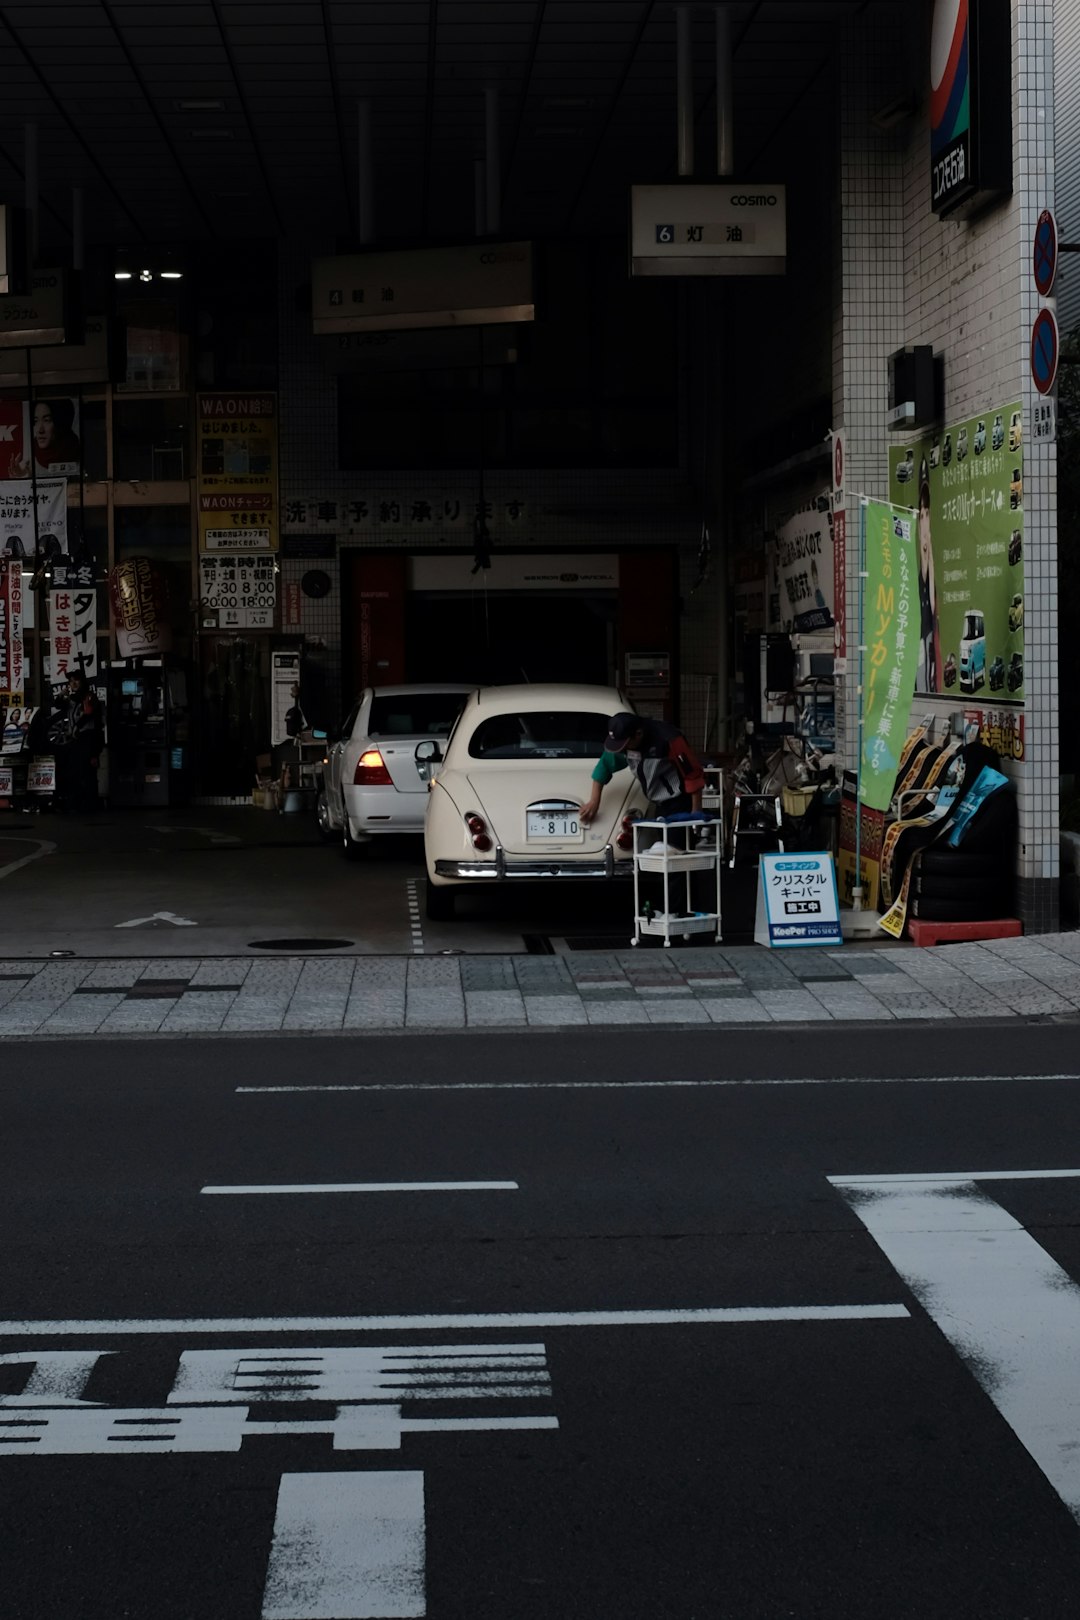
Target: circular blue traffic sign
1045, 253
1044, 351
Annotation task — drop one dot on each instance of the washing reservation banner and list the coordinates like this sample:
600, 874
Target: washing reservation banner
967, 486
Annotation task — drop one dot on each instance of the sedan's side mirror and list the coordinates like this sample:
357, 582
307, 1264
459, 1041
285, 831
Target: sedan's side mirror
428, 753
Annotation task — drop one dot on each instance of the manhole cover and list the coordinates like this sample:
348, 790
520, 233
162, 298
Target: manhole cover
299, 944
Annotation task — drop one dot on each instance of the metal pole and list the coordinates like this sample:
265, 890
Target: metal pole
857, 891
365, 194
480, 195
32, 188
78, 235
725, 101
684, 89
493, 164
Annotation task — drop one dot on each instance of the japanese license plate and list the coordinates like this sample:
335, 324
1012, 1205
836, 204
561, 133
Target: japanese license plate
556, 824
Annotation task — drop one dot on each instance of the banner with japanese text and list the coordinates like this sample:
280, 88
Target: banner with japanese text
890, 635
801, 571
967, 484
11, 634
238, 472
17, 517
72, 633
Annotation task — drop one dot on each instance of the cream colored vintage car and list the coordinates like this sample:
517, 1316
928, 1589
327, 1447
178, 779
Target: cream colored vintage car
504, 799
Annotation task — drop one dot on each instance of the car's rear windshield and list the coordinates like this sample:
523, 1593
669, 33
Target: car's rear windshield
415, 714
540, 734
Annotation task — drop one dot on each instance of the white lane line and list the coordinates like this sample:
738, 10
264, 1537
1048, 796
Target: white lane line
44, 847
373, 1187
725, 1315
347, 1546
416, 927
1005, 1305
662, 1085
952, 1176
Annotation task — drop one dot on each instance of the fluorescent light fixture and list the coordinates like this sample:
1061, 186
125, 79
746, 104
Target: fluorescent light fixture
121, 275
171, 275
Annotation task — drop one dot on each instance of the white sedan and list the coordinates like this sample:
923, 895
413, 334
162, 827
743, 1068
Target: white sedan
506, 793
373, 781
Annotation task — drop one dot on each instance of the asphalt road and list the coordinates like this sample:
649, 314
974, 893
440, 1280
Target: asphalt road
218, 882
630, 1352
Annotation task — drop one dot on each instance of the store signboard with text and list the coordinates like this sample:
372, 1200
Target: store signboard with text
967, 486
237, 472
11, 634
801, 571
72, 634
797, 901
240, 591
18, 532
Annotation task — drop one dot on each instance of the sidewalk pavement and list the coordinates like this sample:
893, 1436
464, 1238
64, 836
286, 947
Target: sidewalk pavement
1037, 977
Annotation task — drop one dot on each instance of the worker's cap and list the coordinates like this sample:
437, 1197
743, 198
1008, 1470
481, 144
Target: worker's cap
621, 727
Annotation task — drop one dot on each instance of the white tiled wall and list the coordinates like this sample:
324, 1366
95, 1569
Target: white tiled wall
907, 278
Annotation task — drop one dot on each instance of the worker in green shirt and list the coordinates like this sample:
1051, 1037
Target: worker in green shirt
667, 768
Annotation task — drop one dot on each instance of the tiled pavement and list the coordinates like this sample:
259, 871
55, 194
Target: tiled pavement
1026, 978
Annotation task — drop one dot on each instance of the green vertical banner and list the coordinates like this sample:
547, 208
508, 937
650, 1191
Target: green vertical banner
890, 634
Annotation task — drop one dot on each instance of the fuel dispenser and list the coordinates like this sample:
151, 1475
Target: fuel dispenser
148, 732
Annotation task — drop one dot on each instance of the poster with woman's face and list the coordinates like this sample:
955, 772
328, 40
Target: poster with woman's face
42, 437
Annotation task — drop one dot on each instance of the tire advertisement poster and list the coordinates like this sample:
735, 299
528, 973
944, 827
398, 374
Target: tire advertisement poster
966, 484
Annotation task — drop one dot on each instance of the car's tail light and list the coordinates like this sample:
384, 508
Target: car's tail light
371, 770
625, 839
478, 829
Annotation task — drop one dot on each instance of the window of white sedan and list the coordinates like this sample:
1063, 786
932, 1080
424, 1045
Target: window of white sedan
415, 714
540, 735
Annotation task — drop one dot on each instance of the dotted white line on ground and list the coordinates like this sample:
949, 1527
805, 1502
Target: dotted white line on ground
416, 928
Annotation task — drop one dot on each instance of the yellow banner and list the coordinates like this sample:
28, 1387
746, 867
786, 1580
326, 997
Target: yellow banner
237, 461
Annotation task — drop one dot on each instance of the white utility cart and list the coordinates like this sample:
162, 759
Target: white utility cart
674, 851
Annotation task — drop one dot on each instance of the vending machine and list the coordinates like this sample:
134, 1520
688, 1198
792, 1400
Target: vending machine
148, 732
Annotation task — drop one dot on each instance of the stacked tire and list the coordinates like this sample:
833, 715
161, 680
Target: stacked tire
976, 882
952, 886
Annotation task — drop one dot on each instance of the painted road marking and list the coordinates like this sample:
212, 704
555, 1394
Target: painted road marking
363, 1373
43, 847
158, 916
207, 832
953, 1176
659, 1085
416, 927
374, 1187
1005, 1305
347, 1546
724, 1315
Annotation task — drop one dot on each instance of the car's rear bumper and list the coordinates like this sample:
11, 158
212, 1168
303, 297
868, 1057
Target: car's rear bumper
504, 868
384, 810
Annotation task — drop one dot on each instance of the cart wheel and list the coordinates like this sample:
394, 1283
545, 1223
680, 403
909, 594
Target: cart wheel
635, 940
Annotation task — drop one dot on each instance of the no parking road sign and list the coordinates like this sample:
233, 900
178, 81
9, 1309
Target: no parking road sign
1044, 351
1045, 253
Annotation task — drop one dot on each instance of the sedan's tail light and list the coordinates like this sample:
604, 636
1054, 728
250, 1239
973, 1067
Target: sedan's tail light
478, 828
371, 770
625, 839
